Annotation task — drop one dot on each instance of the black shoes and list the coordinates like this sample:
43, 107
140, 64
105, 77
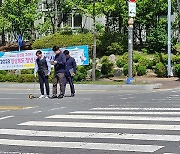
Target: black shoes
72, 95
54, 96
60, 96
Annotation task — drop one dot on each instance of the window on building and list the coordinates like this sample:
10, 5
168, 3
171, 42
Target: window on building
68, 21
77, 20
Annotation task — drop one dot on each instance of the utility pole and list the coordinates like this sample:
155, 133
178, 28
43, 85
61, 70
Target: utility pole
56, 16
130, 48
169, 38
132, 14
94, 43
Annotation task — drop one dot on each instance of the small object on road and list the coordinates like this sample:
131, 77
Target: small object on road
31, 96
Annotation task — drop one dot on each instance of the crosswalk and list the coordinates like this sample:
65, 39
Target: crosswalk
139, 130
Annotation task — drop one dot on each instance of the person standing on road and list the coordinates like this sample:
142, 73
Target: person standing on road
59, 70
70, 71
43, 68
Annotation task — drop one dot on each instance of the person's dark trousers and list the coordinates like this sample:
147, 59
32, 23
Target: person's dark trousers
69, 79
59, 78
43, 80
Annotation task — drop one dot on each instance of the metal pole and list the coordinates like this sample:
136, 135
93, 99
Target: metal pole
169, 38
178, 4
130, 48
94, 44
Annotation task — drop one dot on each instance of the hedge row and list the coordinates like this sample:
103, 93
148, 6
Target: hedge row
63, 40
157, 62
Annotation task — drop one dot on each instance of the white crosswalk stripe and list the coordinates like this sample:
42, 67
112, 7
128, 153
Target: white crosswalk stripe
101, 125
118, 131
82, 145
99, 117
126, 112
148, 137
146, 109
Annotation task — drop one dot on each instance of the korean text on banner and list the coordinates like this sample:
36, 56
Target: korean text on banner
26, 59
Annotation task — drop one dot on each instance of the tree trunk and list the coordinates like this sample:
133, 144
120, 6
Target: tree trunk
140, 37
3, 37
56, 16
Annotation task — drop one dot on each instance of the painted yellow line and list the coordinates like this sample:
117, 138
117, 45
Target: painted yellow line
14, 107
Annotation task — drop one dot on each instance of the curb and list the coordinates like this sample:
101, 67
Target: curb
87, 86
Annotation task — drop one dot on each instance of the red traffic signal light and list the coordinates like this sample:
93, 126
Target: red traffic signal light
133, 1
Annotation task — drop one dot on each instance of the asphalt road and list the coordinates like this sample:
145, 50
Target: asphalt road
93, 122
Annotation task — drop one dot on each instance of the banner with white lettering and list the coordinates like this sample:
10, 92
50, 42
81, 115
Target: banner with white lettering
26, 59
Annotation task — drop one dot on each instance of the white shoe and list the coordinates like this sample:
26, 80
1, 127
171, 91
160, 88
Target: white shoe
47, 97
42, 96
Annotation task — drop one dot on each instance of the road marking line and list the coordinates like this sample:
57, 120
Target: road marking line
14, 107
82, 145
99, 117
148, 109
34, 133
6, 117
125, 112
37, 111
101, 125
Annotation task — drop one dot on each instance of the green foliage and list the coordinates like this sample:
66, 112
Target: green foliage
98, 74
107, 67
81, 74
3, 72
63, 41
141, 70
21, 14
160, 70
45, 28
27, 71
177, 70
125, 70
136, 57
176, 59
143, 61
112, 43
119, 62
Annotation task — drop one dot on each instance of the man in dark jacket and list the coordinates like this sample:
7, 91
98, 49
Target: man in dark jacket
70, 71
43, 68
59, 70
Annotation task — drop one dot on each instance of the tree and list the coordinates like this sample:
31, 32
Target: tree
57, 12
21, 15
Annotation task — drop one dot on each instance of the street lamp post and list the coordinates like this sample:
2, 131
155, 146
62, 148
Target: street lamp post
169, 38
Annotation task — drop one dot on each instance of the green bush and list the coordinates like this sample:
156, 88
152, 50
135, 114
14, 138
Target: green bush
112, 43
3, 72
81, 74
119, 62
122, 60
25, 78
27, 71
143, 61
160, 70
177, 70
176, 59
125, 70
107, 66
141, 70
98, 74
136, 57
63, 40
